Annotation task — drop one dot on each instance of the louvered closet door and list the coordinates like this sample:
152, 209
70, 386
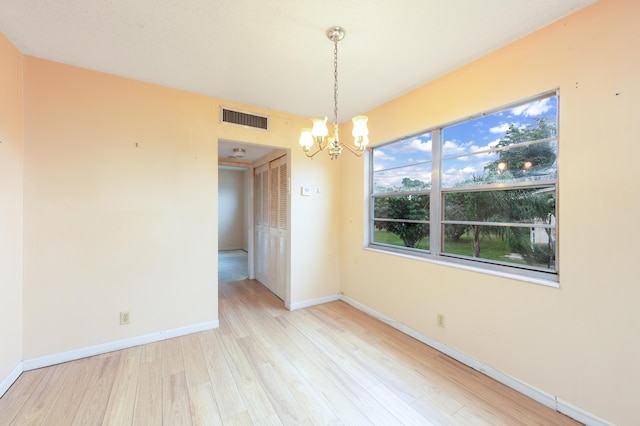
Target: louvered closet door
283, 230
272, 192
261, 211
278, 192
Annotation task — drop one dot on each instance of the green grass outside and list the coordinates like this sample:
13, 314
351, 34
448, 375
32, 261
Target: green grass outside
492, 248
386, 237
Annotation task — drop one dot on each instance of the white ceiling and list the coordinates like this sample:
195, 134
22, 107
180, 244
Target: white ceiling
274, 53
252, 151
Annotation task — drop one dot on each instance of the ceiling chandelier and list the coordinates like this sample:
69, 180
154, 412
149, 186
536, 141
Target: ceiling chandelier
319, 133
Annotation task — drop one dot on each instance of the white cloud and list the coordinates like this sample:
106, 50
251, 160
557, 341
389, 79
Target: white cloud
452, 148
453, 175
493, 144
379, 154
533, 109
488, 147
501, 128
393, 178
419, 145
454, 171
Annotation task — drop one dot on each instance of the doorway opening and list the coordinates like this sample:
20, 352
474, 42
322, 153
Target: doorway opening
253, 215
234, 207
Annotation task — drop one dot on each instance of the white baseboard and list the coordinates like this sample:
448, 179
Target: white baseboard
11, 378
541, 396
45, 361
313, 302
581, 415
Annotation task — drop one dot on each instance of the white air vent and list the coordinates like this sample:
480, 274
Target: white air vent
244, 119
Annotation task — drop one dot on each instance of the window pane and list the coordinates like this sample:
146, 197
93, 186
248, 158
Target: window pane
509, 245
524, 205
518, 163
410, 178
526, 162
401, 234
468, 171
411, 207
405, 152
529, 122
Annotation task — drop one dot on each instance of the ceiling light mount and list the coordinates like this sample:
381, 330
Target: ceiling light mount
238, 153
319, 133
335, 34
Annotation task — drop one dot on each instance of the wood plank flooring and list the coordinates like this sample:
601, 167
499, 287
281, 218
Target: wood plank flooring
329, 364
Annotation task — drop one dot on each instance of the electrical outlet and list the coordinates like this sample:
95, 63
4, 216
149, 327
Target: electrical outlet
440, 321
125, 317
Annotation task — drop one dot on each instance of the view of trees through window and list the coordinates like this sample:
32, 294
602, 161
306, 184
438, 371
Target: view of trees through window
482, 189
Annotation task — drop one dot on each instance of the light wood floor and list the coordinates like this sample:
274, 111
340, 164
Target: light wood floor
328, 364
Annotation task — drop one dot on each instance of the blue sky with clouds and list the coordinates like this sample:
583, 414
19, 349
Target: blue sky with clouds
466, 149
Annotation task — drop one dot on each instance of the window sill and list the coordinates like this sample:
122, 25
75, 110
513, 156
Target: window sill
513, 276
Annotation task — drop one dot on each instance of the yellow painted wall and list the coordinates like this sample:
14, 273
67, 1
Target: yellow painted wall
10, 207
121, 207
581, 342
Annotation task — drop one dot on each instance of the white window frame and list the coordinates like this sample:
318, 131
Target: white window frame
435, 254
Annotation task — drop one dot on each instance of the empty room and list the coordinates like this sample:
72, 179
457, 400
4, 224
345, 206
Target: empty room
402, 183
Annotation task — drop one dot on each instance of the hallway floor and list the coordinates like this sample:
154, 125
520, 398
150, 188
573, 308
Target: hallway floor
232, 266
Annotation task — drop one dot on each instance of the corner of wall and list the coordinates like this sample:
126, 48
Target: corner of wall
11, 213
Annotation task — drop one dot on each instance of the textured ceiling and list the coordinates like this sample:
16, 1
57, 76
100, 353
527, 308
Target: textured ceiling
275, 54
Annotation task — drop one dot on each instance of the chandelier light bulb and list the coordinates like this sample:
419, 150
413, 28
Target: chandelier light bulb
319, 127
306, 139
360, 131
360, 126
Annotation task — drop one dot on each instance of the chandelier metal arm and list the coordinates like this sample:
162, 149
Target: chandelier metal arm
312, 155
356, 152
320, 149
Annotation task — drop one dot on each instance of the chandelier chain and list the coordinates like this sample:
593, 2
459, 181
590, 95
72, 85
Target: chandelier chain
335, 82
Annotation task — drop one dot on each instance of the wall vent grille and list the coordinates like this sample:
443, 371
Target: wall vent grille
244, 119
